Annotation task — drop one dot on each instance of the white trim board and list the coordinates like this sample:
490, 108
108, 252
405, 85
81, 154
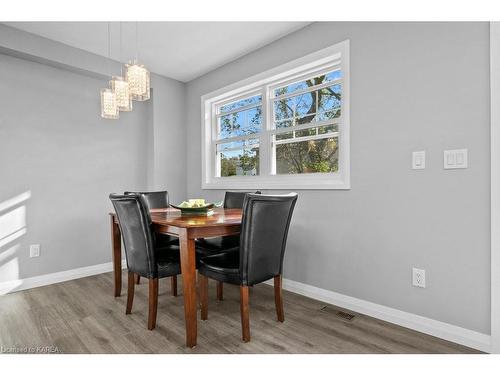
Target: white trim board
495, 183
56, 277
459, 335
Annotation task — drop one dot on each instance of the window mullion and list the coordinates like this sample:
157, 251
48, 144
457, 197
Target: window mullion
265, 144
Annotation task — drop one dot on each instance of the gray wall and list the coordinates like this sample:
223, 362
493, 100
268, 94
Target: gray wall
169, 163
54, 144
413, 87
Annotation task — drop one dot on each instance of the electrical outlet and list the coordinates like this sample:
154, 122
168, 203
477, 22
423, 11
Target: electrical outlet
34, 250
419, 277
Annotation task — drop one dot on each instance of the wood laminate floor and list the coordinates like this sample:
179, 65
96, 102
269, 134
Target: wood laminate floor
81, 316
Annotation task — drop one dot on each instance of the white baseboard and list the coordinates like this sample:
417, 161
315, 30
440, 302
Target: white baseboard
56, 277
459, 335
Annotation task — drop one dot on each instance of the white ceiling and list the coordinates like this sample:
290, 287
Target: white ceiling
180, 50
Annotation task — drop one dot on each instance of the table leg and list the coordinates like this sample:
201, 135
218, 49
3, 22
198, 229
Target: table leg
116, 242
188, 269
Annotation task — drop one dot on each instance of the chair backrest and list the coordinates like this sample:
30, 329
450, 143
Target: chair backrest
235, 199
264, 230
154, 199
137, 233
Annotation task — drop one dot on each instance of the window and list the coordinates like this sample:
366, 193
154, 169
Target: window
237, 145
287, 128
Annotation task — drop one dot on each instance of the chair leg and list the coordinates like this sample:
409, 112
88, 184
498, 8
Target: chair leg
137, 279
245, 318
197, 280
173, 285
203, 285
153, 303
220, 290
278, 299
130, 291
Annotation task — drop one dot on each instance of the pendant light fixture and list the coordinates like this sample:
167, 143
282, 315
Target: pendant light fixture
120, 87
109, 106
137, 75
134, 85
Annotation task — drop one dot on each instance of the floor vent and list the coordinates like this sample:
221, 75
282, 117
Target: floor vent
345, 316
341, 314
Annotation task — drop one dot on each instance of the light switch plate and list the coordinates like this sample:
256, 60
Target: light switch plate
418, 160
455, 159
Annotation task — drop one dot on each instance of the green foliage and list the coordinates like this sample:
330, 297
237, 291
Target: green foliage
228, 166
318, 156
248, 161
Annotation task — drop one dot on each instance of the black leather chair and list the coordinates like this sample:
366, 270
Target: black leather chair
154, 199
264, 230
157, 199
214, 245
232, 199
144, 257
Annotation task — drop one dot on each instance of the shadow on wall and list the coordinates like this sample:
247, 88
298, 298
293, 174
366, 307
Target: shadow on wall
12, 228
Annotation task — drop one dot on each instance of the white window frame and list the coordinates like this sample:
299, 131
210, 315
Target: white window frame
264, 83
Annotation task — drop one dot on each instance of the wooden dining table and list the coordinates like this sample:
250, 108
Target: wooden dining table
223, 222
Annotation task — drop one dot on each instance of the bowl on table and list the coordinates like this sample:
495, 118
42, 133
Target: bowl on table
196, 207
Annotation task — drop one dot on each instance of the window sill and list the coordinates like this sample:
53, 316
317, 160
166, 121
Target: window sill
309, 182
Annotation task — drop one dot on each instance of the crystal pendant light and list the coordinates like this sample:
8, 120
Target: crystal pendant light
109, 107
138, 80
137, 75
122, 92
119, 85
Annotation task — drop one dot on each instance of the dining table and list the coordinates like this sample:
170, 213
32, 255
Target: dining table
223, 222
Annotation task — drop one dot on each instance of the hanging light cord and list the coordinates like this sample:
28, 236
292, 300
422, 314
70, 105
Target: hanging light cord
109, 45
136, 42
109, 41
121, 68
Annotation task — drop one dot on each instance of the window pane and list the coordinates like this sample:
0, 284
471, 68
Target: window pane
254, 118
319, 105
229, 124
241, 103
336, 74
328, 129
305, 104
311, 156
329, 98
240, 123
301, 85
324, 116
239, 158
284, 109
284, 124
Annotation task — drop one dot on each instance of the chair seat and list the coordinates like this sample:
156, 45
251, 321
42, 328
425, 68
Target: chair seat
168, 260
163, 240
224, 267
218, 244
209, 244
173, 248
